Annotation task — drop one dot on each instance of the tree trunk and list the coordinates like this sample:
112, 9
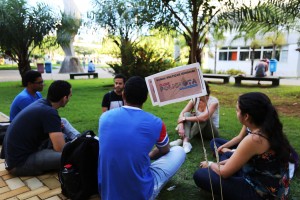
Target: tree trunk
71, 64
194, 48
127, 53
215, 60
23, 66
252, 61
274, 51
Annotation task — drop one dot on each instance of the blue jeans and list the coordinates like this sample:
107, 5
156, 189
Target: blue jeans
46, 159
233, 188
165, 167
219, 142
39, 163
69, 131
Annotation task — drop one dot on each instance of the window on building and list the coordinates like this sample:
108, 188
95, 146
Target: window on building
283, 56
256, 55
244, 55
268, 54
222, 55
232, 55
245, 48
228, 53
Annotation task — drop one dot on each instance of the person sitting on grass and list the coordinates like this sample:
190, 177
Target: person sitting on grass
27, 141
113, 99
34, 84
258, 168
206, 107
126, 138
225, 149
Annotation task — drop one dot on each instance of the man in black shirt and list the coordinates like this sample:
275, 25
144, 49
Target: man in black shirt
113, 99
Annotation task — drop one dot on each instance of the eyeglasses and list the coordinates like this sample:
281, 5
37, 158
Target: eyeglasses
39, 82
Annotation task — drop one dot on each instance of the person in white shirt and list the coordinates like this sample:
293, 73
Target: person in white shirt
206, 107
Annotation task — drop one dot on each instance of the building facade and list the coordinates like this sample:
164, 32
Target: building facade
236, 55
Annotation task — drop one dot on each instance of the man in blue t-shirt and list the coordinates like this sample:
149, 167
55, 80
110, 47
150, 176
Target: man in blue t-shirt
127, 136
34, 84
25, 145
91, 66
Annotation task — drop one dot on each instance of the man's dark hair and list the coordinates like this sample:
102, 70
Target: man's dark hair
120, 76
58, 89
30, 77
135, 91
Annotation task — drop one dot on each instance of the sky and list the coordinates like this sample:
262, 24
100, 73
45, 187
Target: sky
82, 5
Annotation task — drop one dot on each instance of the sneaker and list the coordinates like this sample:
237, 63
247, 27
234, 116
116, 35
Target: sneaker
177, 142
187, 147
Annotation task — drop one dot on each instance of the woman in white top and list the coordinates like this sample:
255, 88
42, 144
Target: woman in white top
206, 107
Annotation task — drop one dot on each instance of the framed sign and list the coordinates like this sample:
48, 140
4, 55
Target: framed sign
176, 84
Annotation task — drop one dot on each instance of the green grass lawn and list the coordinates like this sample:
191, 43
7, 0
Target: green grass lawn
84, 109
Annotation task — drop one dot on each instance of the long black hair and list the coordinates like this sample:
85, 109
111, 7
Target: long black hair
264, 115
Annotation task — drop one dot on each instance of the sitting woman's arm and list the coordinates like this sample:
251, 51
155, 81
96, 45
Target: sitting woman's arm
250, 146
204, 116
234, 141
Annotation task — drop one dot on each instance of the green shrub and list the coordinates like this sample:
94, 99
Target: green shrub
147, 61
207, 71
234, 72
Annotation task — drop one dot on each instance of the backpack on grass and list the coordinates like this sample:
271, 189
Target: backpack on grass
79, 163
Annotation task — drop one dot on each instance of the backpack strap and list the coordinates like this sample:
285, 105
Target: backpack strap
88, 133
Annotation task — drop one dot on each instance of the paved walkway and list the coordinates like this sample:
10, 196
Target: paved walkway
46, 186
14, 75
31, 188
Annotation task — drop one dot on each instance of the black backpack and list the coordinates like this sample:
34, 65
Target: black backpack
79, 166
3, 128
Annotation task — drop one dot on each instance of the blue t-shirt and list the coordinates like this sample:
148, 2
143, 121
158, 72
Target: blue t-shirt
127, 135
21, 101
91, 67
29, 130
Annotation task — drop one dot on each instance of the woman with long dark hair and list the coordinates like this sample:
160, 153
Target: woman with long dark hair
258, 169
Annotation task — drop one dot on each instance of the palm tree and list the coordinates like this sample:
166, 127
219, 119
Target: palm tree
23, 28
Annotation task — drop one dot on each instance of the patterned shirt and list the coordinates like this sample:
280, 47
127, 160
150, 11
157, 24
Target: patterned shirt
267, 176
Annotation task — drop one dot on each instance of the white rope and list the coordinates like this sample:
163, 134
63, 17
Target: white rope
204, 150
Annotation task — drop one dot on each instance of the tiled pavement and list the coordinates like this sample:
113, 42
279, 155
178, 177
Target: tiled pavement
31, 188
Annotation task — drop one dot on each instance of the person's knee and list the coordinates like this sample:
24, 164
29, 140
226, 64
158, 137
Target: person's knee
212, 142
179, 152
200, 177
187, 114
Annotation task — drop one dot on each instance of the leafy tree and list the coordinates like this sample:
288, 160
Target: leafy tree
218, 38
270, 18
48, 46
22, 28
275, 39
191, 18
120, 19
124, 21
84, 50
147, 61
